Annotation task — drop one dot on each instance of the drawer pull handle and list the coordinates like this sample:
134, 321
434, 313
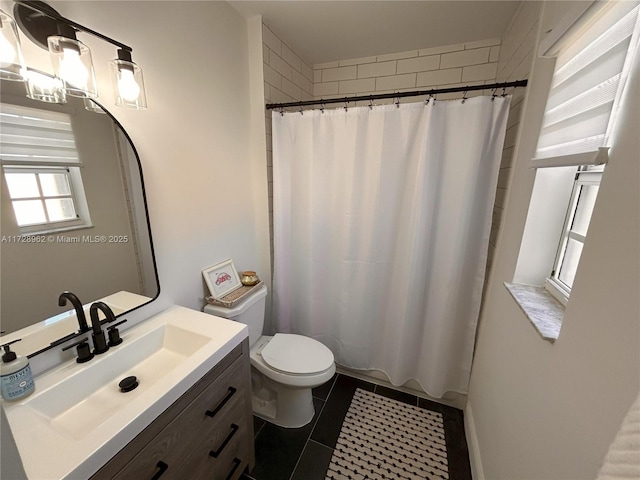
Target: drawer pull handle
236, 464
162, 468
234, 429
212, 413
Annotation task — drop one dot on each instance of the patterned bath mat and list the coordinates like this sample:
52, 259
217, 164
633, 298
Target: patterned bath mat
383, 439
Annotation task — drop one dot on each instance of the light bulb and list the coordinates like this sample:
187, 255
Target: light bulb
7, 51
127, 85
72, 69
44, 82
127, 81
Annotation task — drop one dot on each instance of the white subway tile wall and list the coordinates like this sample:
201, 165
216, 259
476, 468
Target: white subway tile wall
514, 63
444, 66
287, 78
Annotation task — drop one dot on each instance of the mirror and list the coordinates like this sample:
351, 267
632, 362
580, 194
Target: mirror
75, 219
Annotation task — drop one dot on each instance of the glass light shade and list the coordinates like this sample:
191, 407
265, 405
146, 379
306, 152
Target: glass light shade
45, 88
12, 65
92, 106
72, 63
128, 84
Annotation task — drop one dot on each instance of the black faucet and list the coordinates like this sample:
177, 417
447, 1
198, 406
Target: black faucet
99, 341
77, 305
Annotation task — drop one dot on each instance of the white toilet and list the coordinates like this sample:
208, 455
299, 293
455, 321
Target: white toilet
285, 367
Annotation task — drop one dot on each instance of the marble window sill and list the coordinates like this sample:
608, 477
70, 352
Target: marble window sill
542, 310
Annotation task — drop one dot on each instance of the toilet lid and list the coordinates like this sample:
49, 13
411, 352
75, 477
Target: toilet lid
296, 354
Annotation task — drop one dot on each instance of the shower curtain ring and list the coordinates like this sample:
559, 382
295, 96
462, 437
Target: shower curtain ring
464, 96
322, 108
346, 105
504, 91
398, 102
301, 111
282, 111
494, 94
371, 102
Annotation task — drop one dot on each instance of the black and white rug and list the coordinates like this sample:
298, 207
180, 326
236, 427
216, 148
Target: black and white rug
385, 439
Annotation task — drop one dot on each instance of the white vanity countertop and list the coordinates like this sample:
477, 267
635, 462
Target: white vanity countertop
58, 442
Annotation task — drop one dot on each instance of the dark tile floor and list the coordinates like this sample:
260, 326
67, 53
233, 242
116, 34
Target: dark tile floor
304, 453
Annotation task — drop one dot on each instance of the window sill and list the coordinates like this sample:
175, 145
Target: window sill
542, 310
58, 231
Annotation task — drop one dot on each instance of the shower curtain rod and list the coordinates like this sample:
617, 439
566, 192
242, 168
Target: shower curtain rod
415, 93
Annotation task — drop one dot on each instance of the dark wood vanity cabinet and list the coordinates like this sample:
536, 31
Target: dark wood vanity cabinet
206, 434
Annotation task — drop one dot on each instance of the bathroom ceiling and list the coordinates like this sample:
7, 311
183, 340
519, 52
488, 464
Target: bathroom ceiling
325, 31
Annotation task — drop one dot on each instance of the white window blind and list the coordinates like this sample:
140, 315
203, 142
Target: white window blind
589, 76
36, 137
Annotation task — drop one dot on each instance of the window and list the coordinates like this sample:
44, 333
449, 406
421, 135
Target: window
583, 199
590, 72
40, 195
42, 170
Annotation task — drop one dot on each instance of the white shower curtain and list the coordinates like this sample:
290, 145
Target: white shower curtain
381, 227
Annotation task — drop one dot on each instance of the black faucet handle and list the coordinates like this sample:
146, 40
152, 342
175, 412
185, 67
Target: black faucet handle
111, 320
64, 339
114, 334
84, 352
110, 327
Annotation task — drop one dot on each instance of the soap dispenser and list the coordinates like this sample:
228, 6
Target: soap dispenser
16, 380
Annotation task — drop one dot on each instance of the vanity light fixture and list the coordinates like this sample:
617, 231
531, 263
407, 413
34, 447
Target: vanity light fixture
92, 106
72, 59
45, 88
12, 65
72, 63
127, 81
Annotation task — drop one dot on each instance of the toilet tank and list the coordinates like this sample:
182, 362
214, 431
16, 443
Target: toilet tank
250, 311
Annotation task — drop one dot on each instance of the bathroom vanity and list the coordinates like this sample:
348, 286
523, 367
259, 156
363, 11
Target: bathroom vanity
189, 417
206, 433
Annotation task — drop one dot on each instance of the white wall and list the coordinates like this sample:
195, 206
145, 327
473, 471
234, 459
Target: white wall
193, 140
550, 411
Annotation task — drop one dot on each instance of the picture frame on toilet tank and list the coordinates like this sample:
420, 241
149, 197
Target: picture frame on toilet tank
221, 279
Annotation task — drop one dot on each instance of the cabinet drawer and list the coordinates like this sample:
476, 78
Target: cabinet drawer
206, 420
225, 455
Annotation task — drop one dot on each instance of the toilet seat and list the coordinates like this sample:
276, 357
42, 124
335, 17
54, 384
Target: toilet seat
296, 355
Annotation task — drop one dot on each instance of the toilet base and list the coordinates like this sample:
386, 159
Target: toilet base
282, 405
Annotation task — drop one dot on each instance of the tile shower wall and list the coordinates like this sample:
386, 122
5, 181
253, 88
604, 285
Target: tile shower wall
514, 63
472, 63
287, 78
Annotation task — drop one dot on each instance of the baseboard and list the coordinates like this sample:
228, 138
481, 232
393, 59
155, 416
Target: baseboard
477, 472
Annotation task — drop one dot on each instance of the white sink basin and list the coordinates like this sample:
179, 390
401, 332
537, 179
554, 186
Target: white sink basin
77, 418
83, 401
